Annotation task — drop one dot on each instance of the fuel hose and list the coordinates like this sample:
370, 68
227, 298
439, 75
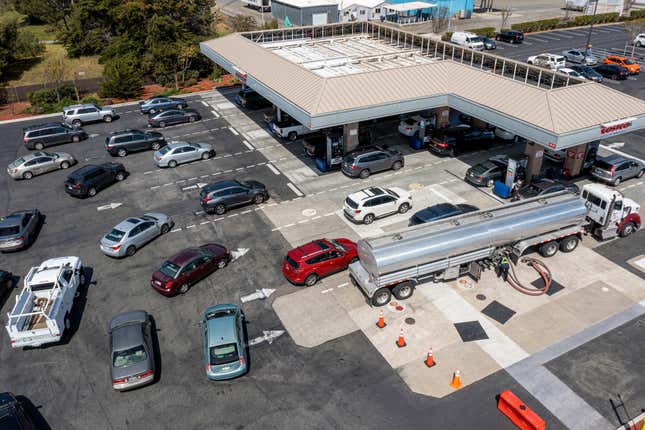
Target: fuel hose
539, 267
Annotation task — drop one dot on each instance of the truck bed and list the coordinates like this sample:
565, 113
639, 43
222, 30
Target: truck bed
36, 322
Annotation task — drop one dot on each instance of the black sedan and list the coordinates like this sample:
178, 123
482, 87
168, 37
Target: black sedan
588, 72
542, 187
612, 71
510, 36
19, 230
173, 116
485, 174
219, 197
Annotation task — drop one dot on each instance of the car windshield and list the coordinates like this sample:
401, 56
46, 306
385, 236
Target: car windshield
115, 235
164, 150
392, 193
351, 203
530, 191
338, 245
629, 62
349, 159
292, 262
9, 231
17, 163
480, 168
602, 164
169, 269
410, 121
128, 357
223, 354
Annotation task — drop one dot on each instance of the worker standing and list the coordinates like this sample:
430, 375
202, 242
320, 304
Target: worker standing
504, 266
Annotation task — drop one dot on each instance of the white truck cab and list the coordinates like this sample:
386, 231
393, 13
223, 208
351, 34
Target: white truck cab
610, 214
41, 312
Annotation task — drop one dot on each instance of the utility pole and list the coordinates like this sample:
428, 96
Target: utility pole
593, 18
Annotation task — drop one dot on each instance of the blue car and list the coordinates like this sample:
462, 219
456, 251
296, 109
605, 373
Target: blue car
159, 103
223, 337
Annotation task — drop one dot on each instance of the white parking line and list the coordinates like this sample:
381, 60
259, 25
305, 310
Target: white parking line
621, 153
234, 131
204, 103
295, 189
328, 290
273, 169
175, 230
147, 172
248, 145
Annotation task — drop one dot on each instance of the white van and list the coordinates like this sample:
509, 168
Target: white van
469, 40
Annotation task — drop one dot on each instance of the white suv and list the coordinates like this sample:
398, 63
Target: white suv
639, 40
549, 61
376, 202
412, 126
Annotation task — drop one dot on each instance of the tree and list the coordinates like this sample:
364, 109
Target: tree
15, 44
56, 70
506, 13
122, 77
54, 12
440, 19
627, 7
634, 28
241, 23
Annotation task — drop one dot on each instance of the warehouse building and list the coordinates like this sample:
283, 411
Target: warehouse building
305, 12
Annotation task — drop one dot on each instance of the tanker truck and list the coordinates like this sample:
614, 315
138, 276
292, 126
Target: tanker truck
446, 249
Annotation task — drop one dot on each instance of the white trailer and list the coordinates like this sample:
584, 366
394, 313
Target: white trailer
41, 312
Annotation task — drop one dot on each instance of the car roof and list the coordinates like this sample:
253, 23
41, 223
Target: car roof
220, 185
306, 250
127, 336
82, 105
128, 224
221, 329
126, 130
614, 159
83, 170
45, 125
367, 193
184, 256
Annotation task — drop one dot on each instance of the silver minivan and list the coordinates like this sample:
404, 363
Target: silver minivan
615, 169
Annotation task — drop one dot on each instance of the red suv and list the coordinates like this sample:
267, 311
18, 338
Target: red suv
311, 261
188, 267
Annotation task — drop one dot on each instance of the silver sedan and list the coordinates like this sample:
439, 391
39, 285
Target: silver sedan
578, 56
131, 234
183, 152
37, 163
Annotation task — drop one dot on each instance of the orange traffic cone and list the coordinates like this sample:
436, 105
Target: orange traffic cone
430, 359
400, 342
381, 320
456, 380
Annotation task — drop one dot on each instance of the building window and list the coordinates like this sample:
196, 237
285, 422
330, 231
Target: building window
362, 11
377, 10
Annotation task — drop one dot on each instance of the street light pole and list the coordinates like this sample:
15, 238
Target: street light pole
593, 18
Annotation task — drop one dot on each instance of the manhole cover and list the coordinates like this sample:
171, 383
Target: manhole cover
480, 297
309, 212
410, 321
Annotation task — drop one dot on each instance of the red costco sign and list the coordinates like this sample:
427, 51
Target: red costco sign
616, 126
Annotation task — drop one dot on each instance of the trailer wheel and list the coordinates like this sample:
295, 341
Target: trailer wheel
403, 291
66, 321
381, 297
568, 244
548, 249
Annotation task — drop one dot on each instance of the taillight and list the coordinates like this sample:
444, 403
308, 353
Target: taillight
441, 145
108, 146
118, 381
206, 199
479, 178
208, 367
116, 247
242, 361
354, 167
145, 374
20, 239
613, 169
24, 139
357, 211
168, 284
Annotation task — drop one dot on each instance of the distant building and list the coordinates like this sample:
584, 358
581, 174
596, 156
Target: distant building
361, 10
306, 12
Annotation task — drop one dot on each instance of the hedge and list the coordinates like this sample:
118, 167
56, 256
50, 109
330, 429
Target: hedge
579, 21
636, 14
484, 31
446, 36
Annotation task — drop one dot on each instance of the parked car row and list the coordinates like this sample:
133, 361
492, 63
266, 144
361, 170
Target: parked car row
613, 66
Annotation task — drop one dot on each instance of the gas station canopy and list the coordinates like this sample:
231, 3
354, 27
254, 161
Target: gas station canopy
337, 74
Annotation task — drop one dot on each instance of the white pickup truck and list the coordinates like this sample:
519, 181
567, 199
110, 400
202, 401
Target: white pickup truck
289, 129
41, 312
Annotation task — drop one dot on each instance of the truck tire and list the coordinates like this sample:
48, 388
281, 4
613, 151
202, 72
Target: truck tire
627, 229
568, 244
403, 291
548, 249
292, 136
381, 297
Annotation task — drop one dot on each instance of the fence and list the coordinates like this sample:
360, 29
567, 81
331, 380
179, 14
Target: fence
21, 93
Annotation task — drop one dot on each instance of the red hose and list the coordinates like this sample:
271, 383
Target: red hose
539, 267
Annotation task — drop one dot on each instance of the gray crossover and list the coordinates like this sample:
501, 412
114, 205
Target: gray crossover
131, 350
131, 234
37, 163
371, 160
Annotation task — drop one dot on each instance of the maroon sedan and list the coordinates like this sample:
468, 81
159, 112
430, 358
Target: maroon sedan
188, 267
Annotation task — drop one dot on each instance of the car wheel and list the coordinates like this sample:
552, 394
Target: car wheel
64, 165
122, 152
206, 155
172, 163
165, 229
184, 288
404, 208
77, 123
76, 138
640, 174
628, 229
66, 321
162, 124
222, 263
568, 244
364, 174
381, 297
397, 165
490, 183
131, 251
368, 219
152, 111
81, 278
639, 44
618, 181
259, 198
220, 209
191, 119
156, 146
403, 291
497, 38
107, 118
120, 176
39, 146
180, 106
91, 192
292, 136
27, 175
614, 77
548, 249
311, 280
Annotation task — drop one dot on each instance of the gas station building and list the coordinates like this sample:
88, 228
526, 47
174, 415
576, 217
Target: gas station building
339, 75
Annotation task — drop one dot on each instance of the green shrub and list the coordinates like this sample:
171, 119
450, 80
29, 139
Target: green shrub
600, 18
92, 99
50, 96
484, 31
167, 92
636, 14
446, 36
533, 26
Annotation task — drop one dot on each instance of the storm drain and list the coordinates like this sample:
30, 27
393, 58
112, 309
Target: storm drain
498, 312
470, 331
410, 321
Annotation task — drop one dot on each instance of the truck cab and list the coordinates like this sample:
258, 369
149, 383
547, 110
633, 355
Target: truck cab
610, 214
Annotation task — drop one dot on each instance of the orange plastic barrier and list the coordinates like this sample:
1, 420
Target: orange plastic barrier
520, 414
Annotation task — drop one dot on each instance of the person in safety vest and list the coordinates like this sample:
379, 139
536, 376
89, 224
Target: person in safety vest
503, 267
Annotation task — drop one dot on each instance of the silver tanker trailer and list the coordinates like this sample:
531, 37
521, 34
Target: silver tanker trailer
394, 264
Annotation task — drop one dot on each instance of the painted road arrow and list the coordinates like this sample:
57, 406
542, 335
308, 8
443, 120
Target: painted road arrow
262, 294
615, 145
110, 206
197, 185
238, 253
268, 336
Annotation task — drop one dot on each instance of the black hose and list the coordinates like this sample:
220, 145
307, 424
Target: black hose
539, 267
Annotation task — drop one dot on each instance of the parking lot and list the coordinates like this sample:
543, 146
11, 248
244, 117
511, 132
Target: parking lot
332, 368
